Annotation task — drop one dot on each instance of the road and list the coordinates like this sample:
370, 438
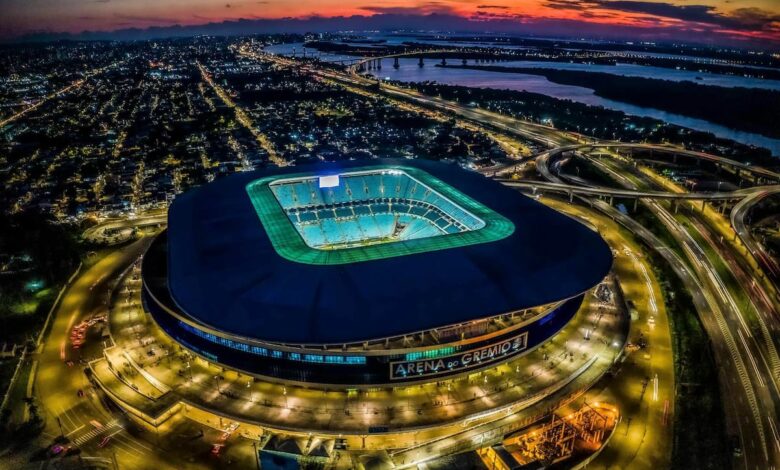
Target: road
85, 421
720, 314
632, 194
750, 360
106, 230
644, 387
738, 215
511, 126
72, 86
664, 149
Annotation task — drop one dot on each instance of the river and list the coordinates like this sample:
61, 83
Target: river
409, 71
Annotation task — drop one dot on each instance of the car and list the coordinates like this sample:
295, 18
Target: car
736, 445
104, 442
63, 450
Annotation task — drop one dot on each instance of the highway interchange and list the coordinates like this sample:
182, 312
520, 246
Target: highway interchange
741, 316
744, 335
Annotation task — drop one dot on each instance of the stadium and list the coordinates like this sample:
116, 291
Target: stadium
366, 274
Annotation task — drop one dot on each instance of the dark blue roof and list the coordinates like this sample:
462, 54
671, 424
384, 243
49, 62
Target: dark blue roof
224, 272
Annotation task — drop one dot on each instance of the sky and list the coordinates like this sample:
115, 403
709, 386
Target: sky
727, 21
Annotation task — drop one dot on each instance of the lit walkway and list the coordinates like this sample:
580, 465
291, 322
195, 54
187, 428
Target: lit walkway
162, 365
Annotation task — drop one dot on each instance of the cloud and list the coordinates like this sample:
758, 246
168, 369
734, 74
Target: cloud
146, 19
481, 15
620, 19
426, 8
739, 19
578, 5
601, 16
492, 7
756, 17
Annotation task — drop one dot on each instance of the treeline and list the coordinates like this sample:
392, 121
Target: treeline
53, 247
594, 121
51, 251
695, 66
747, 109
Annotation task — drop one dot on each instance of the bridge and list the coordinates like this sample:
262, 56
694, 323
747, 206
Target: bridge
376, 62
631, 194
758, 172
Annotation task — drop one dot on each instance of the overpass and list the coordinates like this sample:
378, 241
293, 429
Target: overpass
760, 173
100, 233
633, 194
738, 214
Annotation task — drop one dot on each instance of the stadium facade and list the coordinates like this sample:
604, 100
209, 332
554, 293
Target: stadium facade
366, 274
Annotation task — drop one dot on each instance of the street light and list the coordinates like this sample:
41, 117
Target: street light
251, 391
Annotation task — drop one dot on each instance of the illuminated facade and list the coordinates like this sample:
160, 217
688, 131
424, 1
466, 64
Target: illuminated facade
366, 274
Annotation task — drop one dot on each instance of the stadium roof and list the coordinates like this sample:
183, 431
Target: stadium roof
225, 272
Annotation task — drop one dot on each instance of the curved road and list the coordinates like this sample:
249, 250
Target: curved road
738, 214
86, 420
750, 401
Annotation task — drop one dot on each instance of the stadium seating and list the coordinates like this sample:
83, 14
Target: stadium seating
367, 208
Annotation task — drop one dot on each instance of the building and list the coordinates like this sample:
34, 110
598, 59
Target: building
366, 274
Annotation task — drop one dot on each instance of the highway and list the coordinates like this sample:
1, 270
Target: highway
737, 217
743, 334
87, 420
748, 364
752, 361
110, 229
663, 149
549, 136
633, 194
644, 438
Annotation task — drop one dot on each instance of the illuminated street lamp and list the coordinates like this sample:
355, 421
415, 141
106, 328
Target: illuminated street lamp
251, 391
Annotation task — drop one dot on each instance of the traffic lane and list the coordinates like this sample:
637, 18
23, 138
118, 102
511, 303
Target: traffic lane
57, 380
739, 414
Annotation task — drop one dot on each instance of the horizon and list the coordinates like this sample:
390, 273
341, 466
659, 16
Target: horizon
713, 22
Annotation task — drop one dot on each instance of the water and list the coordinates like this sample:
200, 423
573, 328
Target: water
487, 43
409, 71
660, 73
627, 70
690, 58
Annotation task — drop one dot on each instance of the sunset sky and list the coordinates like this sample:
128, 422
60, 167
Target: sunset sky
727, 19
